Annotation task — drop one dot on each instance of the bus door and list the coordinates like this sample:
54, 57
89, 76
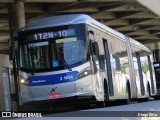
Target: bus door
140, 74
97, 78
151, 74
108, 66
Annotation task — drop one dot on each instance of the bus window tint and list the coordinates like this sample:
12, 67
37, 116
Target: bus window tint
117, 62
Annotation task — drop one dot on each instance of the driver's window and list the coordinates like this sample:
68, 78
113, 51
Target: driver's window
74, 52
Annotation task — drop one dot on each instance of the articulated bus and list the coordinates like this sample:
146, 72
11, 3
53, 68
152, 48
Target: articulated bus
74, 57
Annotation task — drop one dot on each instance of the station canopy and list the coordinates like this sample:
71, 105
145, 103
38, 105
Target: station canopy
126, 16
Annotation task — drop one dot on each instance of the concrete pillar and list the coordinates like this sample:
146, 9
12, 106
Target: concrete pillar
18, 21
2, 97
4, 63
157, 55
7, 89
19, 15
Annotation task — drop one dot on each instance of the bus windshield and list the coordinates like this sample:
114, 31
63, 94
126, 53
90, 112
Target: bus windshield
56, 49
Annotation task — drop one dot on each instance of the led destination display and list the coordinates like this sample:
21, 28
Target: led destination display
50, 34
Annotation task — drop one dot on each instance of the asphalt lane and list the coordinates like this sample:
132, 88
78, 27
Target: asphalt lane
135, 111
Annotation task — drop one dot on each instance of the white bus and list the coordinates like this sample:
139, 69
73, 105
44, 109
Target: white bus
74, 57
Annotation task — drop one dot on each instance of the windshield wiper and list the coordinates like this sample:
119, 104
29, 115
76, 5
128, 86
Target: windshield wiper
63, 60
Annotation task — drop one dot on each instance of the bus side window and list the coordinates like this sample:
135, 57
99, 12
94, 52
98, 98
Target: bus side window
101, 62
117, 62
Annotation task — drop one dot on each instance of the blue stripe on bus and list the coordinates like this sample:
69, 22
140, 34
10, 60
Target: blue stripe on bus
52, 79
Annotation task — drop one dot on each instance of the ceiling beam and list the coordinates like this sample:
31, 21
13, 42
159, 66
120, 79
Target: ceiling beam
3, 25
125, 14
116, 22
110, 6
155, 21
137, 21
148, 37
87, 10
146, 27
127, 8
4, 38
154, 31
103, 15
2, 47
4, 19
135, 15
110, 1
134, 36
142, 32
66, 1
135, 24
4, 52
34, 8
144, 41
7, 1
4, 33
125, 28
51, 1
152, 27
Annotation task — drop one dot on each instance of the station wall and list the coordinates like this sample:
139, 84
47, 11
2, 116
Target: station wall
4, 63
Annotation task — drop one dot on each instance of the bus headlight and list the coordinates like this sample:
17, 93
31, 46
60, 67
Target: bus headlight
84, 73
23, 81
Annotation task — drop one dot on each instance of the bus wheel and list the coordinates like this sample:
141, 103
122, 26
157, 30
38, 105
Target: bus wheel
128, 100
100, 104
106, 93
156, 97
149, 93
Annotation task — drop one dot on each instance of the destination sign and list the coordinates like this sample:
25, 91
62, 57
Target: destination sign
39, 44
31, 45
50, 34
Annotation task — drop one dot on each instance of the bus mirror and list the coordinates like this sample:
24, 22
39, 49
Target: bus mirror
11, 52
91, 32
95, 48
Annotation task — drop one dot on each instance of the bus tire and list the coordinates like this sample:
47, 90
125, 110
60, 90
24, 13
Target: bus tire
106, 92
101, 104
148, 92
157, 97
128, 100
